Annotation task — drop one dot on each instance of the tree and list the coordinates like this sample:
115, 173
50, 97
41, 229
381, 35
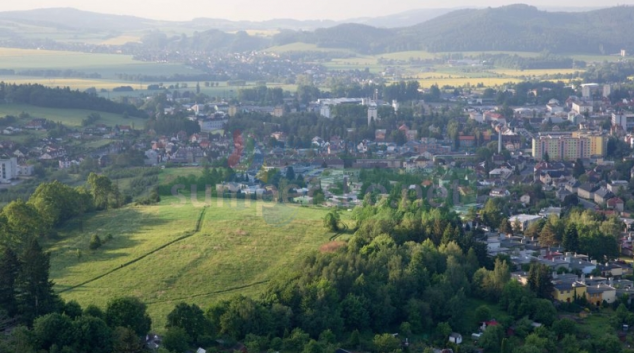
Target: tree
564, 327
570, 240
9, 270
482, 313
546, 157
92, 335
125, 340
290, 173
95, 242
492, 213
176, 340
540, 280
128, 312
94, 311
386, 343
505, 226
190, 318
23, 221
545, 312
491, 339
331, 221
104, 193
72, 309
35, 296
547, 236
53, 329
578, 169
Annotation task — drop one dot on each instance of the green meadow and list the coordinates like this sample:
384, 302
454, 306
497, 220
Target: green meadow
69, 117
163, 254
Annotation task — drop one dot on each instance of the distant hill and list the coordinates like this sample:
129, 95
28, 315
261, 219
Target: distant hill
525, 28
69, 18
402, 19
508, 28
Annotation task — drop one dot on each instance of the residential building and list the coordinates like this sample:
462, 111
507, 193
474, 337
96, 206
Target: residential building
623, 119
524, 220
569, 146
8, 169
597, 294
568, 291
602, 195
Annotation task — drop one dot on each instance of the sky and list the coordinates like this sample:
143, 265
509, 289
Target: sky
258, 10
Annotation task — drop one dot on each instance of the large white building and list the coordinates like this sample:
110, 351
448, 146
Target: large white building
8, 169
624, 120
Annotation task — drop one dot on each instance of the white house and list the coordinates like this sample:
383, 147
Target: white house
455, 338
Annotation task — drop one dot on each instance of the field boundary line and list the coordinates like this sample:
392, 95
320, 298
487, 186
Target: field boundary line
208, 293
124, 265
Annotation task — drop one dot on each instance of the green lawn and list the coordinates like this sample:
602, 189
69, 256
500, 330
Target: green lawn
69, 117
237, 249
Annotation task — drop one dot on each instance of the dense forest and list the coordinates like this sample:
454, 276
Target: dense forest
42, 96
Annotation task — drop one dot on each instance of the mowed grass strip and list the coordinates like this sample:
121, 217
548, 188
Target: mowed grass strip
237, 250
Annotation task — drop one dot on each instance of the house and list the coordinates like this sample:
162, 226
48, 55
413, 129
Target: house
586, 191
597, 294
548, 211
466, 141
499, 193
568, 291
616, 185
455, 338
602, 195
610, 270
562, 193
615, 203
524, 220
525, 199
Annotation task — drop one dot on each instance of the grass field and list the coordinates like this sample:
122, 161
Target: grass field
69, 117
107, 65
236, 250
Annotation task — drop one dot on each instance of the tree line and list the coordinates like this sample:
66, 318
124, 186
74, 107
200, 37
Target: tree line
42, 96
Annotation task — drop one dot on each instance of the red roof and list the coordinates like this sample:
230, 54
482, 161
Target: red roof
466, 137
614, 201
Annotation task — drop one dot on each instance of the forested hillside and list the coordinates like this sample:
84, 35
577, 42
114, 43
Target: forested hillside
509, 28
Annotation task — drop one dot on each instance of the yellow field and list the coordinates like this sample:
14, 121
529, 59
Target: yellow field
120, 40
539, 72
73, 83
460, 81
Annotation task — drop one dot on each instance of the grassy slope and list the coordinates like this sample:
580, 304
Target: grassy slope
234, 248
69, 117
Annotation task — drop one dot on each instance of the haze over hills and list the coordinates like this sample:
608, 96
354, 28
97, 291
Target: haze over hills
508, 28
74, 18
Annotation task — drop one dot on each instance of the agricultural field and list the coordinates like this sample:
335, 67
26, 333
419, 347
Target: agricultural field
235, 250
69, 117
299, 47
107, 65
461, 81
